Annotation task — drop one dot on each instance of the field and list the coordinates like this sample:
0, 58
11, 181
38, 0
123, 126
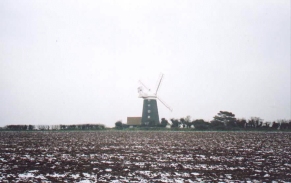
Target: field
112, 156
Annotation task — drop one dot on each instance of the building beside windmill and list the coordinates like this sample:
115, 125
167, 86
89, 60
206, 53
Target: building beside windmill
150, 113
134, 121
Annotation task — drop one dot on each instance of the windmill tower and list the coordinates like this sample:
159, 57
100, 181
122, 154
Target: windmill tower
150, 113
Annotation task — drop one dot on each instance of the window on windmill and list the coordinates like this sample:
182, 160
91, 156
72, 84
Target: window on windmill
149, 111
149, 116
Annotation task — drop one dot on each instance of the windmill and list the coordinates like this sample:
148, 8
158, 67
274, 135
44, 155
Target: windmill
150, 108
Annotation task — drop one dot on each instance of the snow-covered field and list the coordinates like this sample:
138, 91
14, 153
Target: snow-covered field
144, 157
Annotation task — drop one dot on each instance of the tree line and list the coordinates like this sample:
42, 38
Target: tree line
55, 127
224, 120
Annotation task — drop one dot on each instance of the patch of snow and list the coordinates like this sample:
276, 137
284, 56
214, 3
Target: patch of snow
86, 174
26, 175
75, 176
40, 177
195, 173
31, 171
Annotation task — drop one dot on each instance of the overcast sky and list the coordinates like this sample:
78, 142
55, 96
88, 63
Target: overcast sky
71, 62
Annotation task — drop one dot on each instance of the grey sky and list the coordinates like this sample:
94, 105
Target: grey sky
64, 62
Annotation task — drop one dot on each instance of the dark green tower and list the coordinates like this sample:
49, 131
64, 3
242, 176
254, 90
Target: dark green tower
150, 113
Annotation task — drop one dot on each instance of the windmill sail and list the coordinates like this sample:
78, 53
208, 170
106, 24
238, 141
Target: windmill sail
165, 104
159, 83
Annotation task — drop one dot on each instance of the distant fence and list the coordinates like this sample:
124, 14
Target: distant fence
54, 127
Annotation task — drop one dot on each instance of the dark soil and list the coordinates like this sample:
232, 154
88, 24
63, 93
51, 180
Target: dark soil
144, 156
